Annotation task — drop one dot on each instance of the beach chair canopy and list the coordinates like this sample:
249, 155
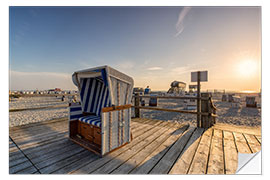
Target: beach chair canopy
101, 87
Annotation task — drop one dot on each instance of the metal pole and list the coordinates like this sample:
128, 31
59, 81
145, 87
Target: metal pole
198, 100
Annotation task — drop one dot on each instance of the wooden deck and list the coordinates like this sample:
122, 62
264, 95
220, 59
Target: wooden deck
157, 148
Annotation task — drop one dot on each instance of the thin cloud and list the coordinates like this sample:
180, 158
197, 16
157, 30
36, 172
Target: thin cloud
154, 68
180, 23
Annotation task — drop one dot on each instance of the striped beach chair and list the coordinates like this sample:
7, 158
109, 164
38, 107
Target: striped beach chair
101, 121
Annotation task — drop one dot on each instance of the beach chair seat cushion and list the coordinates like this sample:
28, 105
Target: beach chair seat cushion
92, 120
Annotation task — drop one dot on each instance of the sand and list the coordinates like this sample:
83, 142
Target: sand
241, 116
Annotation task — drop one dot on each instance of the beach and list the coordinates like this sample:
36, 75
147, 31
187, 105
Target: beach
240, 116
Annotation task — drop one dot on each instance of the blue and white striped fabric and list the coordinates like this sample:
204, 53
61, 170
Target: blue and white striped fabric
94, 95
75, 112
93, 120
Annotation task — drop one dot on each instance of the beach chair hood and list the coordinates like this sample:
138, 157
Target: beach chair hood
101, 87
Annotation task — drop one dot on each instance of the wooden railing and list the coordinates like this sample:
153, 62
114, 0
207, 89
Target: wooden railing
206, 113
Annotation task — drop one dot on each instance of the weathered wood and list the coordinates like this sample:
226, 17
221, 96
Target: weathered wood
171, 97
199, 163
64, 162
153, 158
182, 165
259, 138
55, 159
216, 158
137, 103
44, 154
43, 141
139, 157
98, 163
230, 153
157, 147
110, 166
19, 167
29, 170
253, 143
241, 143
165, 164
83, 159
116, 108
240, 129
170, 110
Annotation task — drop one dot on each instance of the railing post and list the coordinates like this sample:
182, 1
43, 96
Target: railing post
206, 107
137, 103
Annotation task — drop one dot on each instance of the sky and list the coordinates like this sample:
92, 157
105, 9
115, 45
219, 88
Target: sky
153, 45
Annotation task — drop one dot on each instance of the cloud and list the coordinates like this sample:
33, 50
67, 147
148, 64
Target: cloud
180, 23
154, 68
40, 80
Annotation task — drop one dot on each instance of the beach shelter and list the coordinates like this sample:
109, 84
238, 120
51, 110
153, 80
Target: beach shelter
101, 121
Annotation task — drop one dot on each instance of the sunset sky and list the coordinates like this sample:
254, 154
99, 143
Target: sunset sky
154, 45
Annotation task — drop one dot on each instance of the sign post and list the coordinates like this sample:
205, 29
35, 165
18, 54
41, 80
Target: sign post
198, 99
198, 77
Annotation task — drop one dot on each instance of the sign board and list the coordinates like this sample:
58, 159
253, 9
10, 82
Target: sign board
203, 76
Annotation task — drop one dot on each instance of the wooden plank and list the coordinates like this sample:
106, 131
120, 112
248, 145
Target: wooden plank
165, 164
49, 161
29, 170
19, 167
117, 161
140, 156
44, 155
43, 141
216, 158
259, 138
239, 129
98, 163
42, 130
116, 108
253, 143
170, 110
172, 97
182, 165
241, 143
230, 153
39, 150
80, 161
64, 162
28, 140
31, 135
199, 163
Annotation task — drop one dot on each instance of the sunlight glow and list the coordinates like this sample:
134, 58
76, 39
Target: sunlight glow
247, 68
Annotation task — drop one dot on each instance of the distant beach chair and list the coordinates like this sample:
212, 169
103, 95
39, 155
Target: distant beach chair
250, 101
230, 97
224, 97
101, 122
236, 102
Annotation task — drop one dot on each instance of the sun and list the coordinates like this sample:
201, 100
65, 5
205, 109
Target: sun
247, 68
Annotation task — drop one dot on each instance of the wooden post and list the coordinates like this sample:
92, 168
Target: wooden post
205, 108
137, 103
198, 99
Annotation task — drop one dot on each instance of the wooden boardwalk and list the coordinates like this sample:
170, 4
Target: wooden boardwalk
157, 147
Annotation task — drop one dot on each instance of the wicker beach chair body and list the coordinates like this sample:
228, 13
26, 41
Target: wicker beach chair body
102, 118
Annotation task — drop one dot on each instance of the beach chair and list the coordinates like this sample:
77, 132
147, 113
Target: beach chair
101, 121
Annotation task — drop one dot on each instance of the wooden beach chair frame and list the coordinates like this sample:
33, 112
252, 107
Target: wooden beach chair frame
101, 121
